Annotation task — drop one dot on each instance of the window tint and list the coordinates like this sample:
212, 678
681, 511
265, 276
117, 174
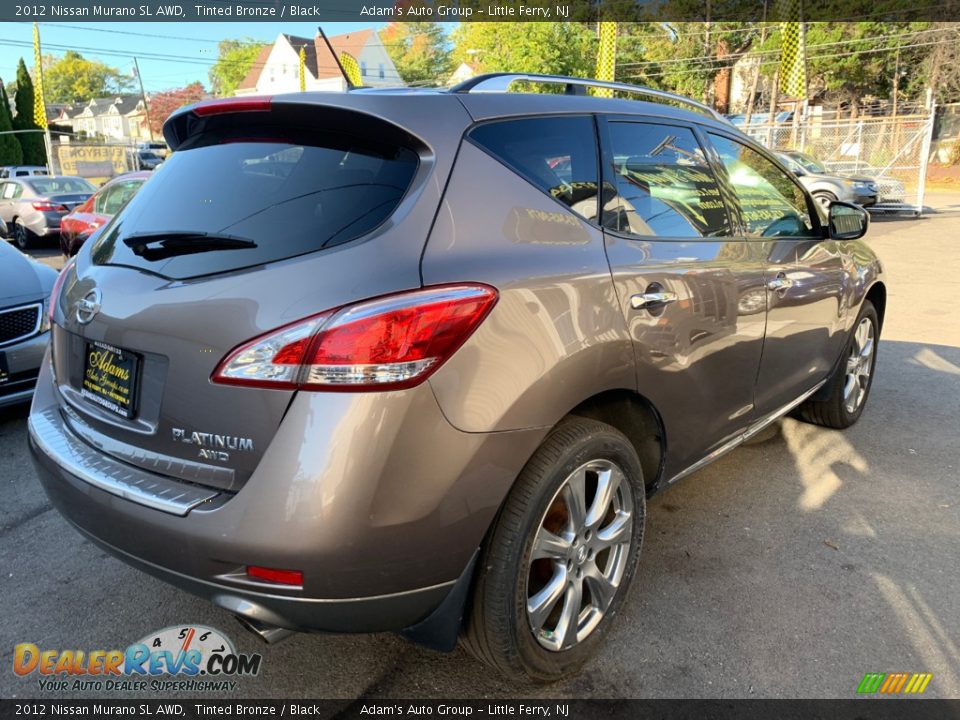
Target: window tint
54, 186
664, 185
271, 199
557, 154
771, 203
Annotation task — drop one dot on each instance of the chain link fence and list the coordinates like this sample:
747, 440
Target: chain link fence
892, 151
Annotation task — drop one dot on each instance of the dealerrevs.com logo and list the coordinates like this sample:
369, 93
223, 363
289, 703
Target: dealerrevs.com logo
186, 658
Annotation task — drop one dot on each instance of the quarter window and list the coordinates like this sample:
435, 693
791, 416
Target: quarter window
772, 205
665, 187
557, 154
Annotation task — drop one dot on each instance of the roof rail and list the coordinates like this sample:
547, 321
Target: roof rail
501, 82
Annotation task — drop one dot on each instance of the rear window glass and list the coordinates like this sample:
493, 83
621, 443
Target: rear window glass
557, 154
55, 186
228, 205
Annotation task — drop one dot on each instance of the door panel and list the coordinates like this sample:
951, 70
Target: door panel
804, 274
668, 231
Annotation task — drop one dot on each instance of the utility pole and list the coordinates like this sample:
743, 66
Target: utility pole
706, 51
143, 97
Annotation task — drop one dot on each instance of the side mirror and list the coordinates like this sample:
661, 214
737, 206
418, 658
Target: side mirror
799, 172
847, 221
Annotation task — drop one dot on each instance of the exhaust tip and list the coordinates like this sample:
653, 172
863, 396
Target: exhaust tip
270, 634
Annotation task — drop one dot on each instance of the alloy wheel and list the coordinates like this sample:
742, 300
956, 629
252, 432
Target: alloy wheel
859, 366
580, 552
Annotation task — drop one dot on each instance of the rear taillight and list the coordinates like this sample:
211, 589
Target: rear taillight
55, 293
387, 343
48, 207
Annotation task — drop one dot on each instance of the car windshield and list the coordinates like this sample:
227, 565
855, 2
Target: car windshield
148, 156
54, 186
809, 164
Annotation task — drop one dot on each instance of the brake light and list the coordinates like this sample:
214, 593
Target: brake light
48, 207
57, 285
259, 103
387, 343
284, 577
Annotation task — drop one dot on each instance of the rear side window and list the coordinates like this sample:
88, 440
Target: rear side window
665, 187
227, 203
557, 154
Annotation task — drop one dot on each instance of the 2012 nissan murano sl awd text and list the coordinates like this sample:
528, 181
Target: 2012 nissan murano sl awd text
414, 360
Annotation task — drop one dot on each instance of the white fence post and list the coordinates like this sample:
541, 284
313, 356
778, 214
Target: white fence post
925, 157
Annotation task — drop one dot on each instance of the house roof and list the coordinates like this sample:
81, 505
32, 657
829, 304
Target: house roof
318, 59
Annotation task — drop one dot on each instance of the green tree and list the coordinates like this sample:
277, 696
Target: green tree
30, 142
419, 50
234, 60
72, 78
534, 47
10, 151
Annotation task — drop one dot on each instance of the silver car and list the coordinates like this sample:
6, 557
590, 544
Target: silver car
413, 360
25, 287
32, 207
828, 186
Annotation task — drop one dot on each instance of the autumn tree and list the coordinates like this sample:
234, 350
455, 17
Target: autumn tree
531, 47
234, 60
30, 142
10, 151
72, 78
419, 50
162, 104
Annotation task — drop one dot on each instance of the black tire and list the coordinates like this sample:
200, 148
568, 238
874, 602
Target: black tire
825, 198
834, 411
22, 235
497, 630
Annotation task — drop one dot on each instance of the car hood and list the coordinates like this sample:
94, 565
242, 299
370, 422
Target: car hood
821, 177
22, 279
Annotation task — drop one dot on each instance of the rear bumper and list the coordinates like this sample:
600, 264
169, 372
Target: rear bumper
382, 519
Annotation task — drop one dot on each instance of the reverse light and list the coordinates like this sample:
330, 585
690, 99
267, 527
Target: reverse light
387, 343
55, 293
257, 103
283, 577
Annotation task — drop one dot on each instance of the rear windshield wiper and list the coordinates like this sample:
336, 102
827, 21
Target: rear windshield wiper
162, 245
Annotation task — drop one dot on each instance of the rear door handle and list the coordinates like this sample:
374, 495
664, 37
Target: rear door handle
780, 282
652, 299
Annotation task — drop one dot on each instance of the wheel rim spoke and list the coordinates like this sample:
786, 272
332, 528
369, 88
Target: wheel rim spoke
617, 532
540, 605
570, 615
550, 545
574, 492
607, 483
601, 589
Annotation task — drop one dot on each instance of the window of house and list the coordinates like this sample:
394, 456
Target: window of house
382, 72
363, 68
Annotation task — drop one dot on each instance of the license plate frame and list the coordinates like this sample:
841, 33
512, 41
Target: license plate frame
111, 378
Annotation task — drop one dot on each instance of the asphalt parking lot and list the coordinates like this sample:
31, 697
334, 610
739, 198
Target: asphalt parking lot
789, 568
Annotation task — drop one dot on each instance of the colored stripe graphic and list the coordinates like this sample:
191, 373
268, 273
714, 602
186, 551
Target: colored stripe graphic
894, 683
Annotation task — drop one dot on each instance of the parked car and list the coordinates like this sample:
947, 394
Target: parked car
144, 159
157, 148
14, 171
891, 190
25, 287
88, 217
828, 187
372, 361
31, 208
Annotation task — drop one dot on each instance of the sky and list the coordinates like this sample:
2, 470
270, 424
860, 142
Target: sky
170, 54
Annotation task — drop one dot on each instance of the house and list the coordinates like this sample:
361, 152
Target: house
118, 118
277, 68
464, 72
